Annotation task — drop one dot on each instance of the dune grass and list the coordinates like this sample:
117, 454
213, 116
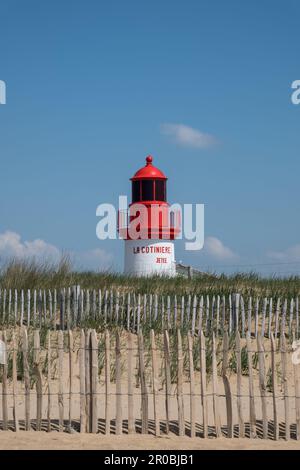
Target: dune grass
32, 274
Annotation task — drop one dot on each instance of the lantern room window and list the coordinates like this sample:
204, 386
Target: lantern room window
147, 190
136, 191
160, 190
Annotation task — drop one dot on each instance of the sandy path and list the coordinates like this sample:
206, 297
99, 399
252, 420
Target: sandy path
42, 440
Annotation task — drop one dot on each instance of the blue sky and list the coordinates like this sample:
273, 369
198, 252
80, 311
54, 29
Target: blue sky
90, 86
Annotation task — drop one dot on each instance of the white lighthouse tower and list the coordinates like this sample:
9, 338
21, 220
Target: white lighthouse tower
149, 227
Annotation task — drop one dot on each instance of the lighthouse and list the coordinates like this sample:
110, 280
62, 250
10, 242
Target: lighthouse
149, 226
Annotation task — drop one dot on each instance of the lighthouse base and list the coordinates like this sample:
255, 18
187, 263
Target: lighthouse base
149, 258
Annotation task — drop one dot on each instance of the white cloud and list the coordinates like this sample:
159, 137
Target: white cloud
11, 245
216, 249
187, 136
289, 255
94, 259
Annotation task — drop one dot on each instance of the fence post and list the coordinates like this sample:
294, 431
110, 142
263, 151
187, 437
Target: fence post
60, 379
94, 380
49, 381
239, 383
15, 382
203, 382
82, 382
155, 383
262, 384
118, 385
227, 385
274, 387
251, 389
215, 388
71, 373
144, 393
38, 375
180, 385
131, 424
285, 386
192, 384
4, 386
168, 378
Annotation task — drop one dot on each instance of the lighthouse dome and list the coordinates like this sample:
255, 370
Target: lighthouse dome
148, 171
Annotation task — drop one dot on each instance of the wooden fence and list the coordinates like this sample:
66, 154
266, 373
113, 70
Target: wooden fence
115, 381
70, 307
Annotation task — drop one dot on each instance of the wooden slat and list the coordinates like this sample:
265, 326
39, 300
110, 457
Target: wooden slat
223, 313
297, 317
203, 382
69, 308
162, 313
274, 388
284, 369
138, 312
71, 375
270, 317
5, 387
175, 313
218, 316
277, 317
265, 303
230, 315
49, 381
243, 315
26, 378
144, 392
107, 382
54, 308
40, 308
182, 312
60, 380
200, 313
117, 308
38, 375
194, 314
192, 385
181, 426
128, 311
239, 384
9, 305
283, 318
155, 383
215, 388
168, 312
291, 316
4, 306
15, 381
131, 426
250, 315
296, 370
82, 382
94, 381
167, 361
22, 308
87, 362
207, 315
262, 384
256, 316
227, 385
16, 307
188, 310
118, 385
251, 389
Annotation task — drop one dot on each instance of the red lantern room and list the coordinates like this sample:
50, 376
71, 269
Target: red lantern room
149, 188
